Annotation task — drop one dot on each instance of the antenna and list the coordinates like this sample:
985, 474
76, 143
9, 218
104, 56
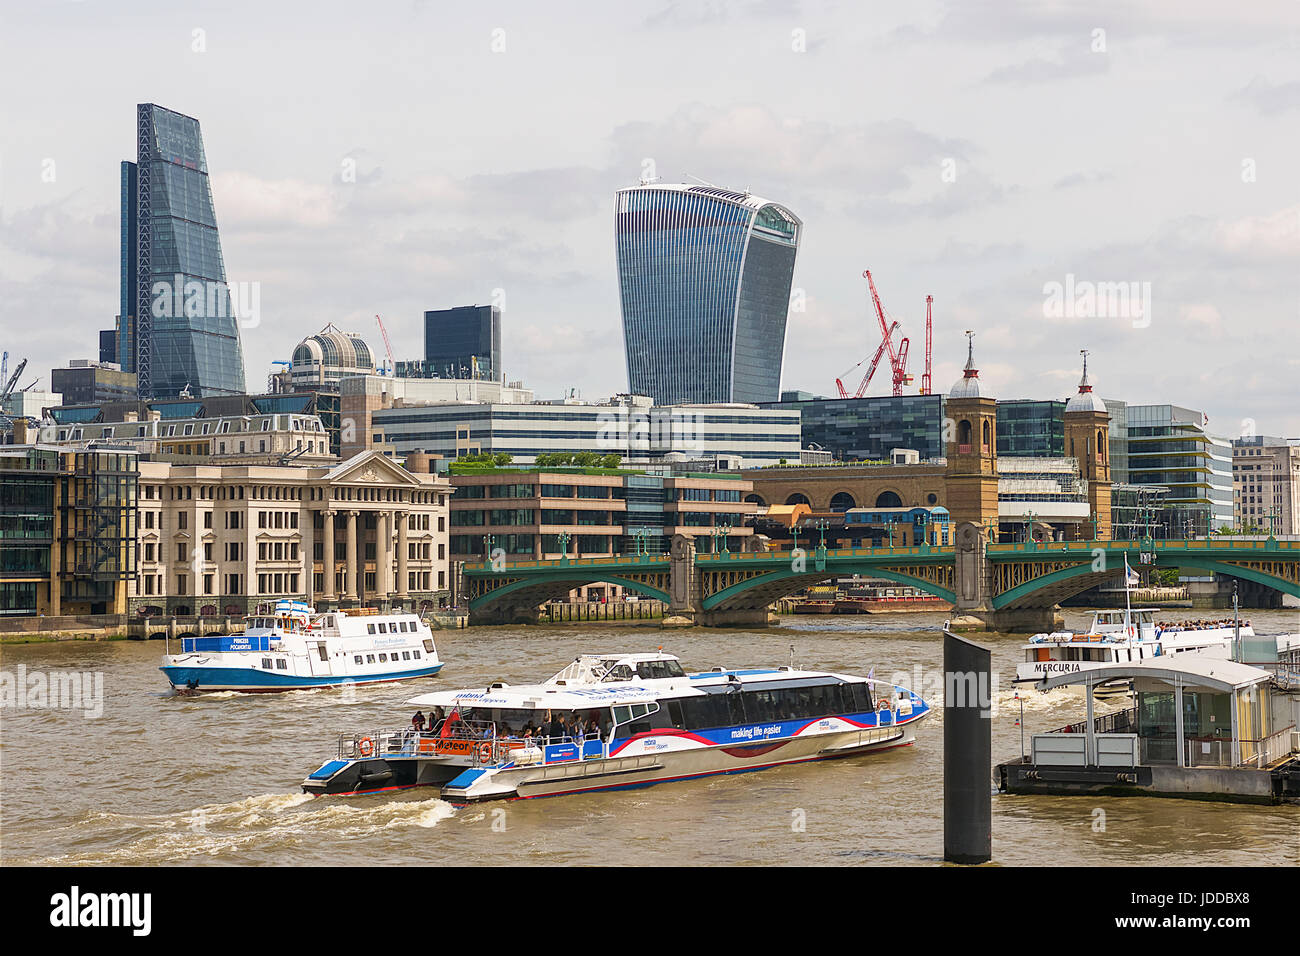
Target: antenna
702, 181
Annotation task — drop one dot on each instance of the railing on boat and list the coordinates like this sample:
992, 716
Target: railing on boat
474, 739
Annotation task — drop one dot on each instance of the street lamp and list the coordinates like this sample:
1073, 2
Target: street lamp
821, 526
564, 545
1029, 525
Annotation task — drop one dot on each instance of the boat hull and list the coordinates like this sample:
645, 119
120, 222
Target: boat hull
251, 680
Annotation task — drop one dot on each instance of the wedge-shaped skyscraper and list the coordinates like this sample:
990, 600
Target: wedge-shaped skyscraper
704, 280
176, 327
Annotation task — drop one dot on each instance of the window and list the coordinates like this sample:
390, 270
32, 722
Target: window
370, 628
282, 664
358, 659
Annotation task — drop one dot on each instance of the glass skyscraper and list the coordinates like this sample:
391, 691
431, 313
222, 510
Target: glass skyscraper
176, 327
464, 342
704, 279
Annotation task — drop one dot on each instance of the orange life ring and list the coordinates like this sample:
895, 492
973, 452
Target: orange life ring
366, 747
485, 752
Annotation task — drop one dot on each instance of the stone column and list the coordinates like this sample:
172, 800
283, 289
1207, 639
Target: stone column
328, 595
403, 546
350, 574
384, 554
306, 544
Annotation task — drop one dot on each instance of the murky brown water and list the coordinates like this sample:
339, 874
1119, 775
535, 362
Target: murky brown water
214, 779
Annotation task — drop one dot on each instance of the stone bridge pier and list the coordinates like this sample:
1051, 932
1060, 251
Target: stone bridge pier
686, 605
973, 610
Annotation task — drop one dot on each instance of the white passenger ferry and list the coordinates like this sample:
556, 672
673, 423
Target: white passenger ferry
1117, 636
620, 721
288, 645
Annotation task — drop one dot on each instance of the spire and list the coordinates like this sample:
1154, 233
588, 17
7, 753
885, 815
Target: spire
968, 386
971, 370
1084, 387
1086, 400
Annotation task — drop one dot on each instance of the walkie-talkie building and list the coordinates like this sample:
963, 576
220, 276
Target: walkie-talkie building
176, 327
704, 280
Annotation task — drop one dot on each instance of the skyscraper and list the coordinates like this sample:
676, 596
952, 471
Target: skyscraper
704, 279
176, 327
464, 342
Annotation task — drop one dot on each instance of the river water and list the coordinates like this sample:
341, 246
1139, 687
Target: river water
159, 779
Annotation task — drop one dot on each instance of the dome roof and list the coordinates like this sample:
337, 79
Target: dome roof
335, 349
968, 386
1086, 399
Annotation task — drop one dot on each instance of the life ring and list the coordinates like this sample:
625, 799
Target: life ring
485, 752
366, 747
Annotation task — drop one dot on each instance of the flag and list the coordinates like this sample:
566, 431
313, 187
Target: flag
1131, 578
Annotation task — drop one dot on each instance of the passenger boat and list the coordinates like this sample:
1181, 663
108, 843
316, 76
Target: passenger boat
288, 645
621, 721
1117, 636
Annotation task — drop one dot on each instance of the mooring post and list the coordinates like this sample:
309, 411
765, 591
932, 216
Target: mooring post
967, 751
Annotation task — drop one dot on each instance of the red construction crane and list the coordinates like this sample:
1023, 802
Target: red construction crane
897, 357
871, 369
925, 376
388, 346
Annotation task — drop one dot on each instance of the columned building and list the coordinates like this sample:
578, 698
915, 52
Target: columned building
221, 540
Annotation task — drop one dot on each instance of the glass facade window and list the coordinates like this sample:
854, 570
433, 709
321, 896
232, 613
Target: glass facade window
704, 281
867, 429
464, 342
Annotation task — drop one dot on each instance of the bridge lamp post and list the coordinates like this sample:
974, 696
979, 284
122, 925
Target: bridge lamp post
1029, 525
489, 545
564, 545
889, 527
821, 526
725, 527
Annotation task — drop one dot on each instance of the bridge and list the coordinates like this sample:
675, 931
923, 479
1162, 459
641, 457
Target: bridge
1004, 587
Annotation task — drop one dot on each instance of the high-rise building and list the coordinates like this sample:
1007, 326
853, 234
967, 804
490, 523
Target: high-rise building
869, 428
464, 342
85, 382
176, 329
704, 279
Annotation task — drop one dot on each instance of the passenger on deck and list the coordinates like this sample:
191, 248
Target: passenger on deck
417, 722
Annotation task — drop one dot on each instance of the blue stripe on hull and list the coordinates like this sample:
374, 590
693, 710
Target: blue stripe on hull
250, 679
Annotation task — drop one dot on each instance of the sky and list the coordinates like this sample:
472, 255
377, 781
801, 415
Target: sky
392, 157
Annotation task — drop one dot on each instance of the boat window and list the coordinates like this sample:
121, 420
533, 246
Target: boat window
621, 672
266, 663
370, 628
383, 658
406, 655
675, 714
358, 659
282, 664
324, 654
622, 714
370, 658
428, 645
383, 628
417, 654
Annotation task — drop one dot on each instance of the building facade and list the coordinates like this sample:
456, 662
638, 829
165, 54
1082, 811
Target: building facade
627, 426
704, 281
84, 383
67, 530
221, 540
1029, 428
526, 514
1171, 447
464, 342
176, 328
1266, 485
867, 429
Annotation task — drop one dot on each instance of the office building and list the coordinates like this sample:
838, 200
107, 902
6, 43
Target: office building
1266, 485
464, 342
627, 426
704, 280
176, 330
866, 429
67, 529
1171, 447
536, 513
1029, 428
85, 383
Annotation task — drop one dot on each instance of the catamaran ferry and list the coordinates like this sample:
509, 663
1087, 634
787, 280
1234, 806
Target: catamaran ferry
1116, 636
289, 646
620, 721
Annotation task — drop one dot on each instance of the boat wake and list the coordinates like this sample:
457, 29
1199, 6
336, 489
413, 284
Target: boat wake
228, 833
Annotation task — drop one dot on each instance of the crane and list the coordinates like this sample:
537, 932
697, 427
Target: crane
925, 376
897, 356
871, 369
388, 346
13, 380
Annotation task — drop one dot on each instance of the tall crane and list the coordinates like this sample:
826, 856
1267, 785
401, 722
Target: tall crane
925, 376
13, 380
388, 346
871, 369
897, 356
